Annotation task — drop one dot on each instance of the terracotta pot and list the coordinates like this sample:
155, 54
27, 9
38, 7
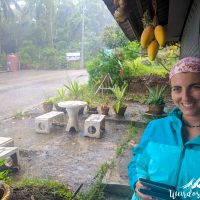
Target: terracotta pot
156, 109
122, 110
5, 191
105, 110
47, 107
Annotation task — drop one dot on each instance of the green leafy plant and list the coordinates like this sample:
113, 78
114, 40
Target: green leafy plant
61, 93
156, 95
49, 100
91, 103
96, 190
4, 173
48, 104
21, 115
105, 64
45, 189
119, 94
75, 89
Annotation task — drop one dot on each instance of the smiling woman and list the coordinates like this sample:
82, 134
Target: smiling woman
186, 95
175, 138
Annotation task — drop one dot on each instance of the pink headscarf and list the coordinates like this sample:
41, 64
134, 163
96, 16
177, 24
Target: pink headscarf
188, 64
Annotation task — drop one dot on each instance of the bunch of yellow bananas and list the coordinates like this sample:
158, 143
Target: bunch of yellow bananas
152, 38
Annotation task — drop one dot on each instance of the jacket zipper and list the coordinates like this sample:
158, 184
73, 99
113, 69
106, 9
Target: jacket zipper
180, 164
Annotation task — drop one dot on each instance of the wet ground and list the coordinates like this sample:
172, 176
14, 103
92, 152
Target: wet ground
67, 157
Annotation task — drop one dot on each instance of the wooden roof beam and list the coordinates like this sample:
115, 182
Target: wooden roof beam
178, 11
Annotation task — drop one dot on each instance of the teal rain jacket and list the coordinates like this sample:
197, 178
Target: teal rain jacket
161, 156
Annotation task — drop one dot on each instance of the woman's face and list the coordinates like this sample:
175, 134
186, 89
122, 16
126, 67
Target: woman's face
185, 91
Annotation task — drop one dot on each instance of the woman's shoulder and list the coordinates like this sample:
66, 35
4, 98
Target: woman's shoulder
174, 115
161, 121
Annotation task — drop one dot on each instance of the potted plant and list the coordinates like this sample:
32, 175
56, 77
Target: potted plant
155, 99
91, 107
105, 107
119, 106
48, 105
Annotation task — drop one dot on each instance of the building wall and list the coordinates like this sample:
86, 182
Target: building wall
190, 41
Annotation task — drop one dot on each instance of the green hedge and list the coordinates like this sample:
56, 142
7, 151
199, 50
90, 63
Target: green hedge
127, 61
41, 58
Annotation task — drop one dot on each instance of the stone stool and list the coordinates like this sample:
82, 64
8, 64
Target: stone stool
6, 142
13, 152
44, 123
94, 125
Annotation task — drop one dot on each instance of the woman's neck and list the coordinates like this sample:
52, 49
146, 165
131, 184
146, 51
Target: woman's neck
191, 121
189, 133
191, 128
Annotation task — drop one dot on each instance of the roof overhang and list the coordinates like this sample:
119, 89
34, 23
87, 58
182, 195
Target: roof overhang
172, 14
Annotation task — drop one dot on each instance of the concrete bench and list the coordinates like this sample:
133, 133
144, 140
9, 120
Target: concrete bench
13, 152
94, 125
44, 123
6, 142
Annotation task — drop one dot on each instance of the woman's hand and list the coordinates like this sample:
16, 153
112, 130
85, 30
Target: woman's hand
139, 194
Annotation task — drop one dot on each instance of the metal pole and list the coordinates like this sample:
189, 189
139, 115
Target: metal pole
82, 38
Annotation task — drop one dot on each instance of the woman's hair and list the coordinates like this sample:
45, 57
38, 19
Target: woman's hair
188, 64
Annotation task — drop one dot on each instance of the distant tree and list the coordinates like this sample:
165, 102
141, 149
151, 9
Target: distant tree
113, 37
7, 16
53, 24
6, 11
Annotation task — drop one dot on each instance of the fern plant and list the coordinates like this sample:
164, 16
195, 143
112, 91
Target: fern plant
4, 172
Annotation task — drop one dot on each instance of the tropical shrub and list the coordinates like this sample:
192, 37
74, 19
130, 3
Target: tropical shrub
3, 60
44, 58
28, 54
52, 58
48, 57
141, 67
105, 64
113, 37
132, 50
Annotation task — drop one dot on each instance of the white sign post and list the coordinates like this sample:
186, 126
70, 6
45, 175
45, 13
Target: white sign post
73, 56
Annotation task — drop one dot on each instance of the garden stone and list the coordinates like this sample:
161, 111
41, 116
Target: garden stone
94, 125
6, 142
12, 152
44, 123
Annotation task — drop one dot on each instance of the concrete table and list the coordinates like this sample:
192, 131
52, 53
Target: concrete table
72, 108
